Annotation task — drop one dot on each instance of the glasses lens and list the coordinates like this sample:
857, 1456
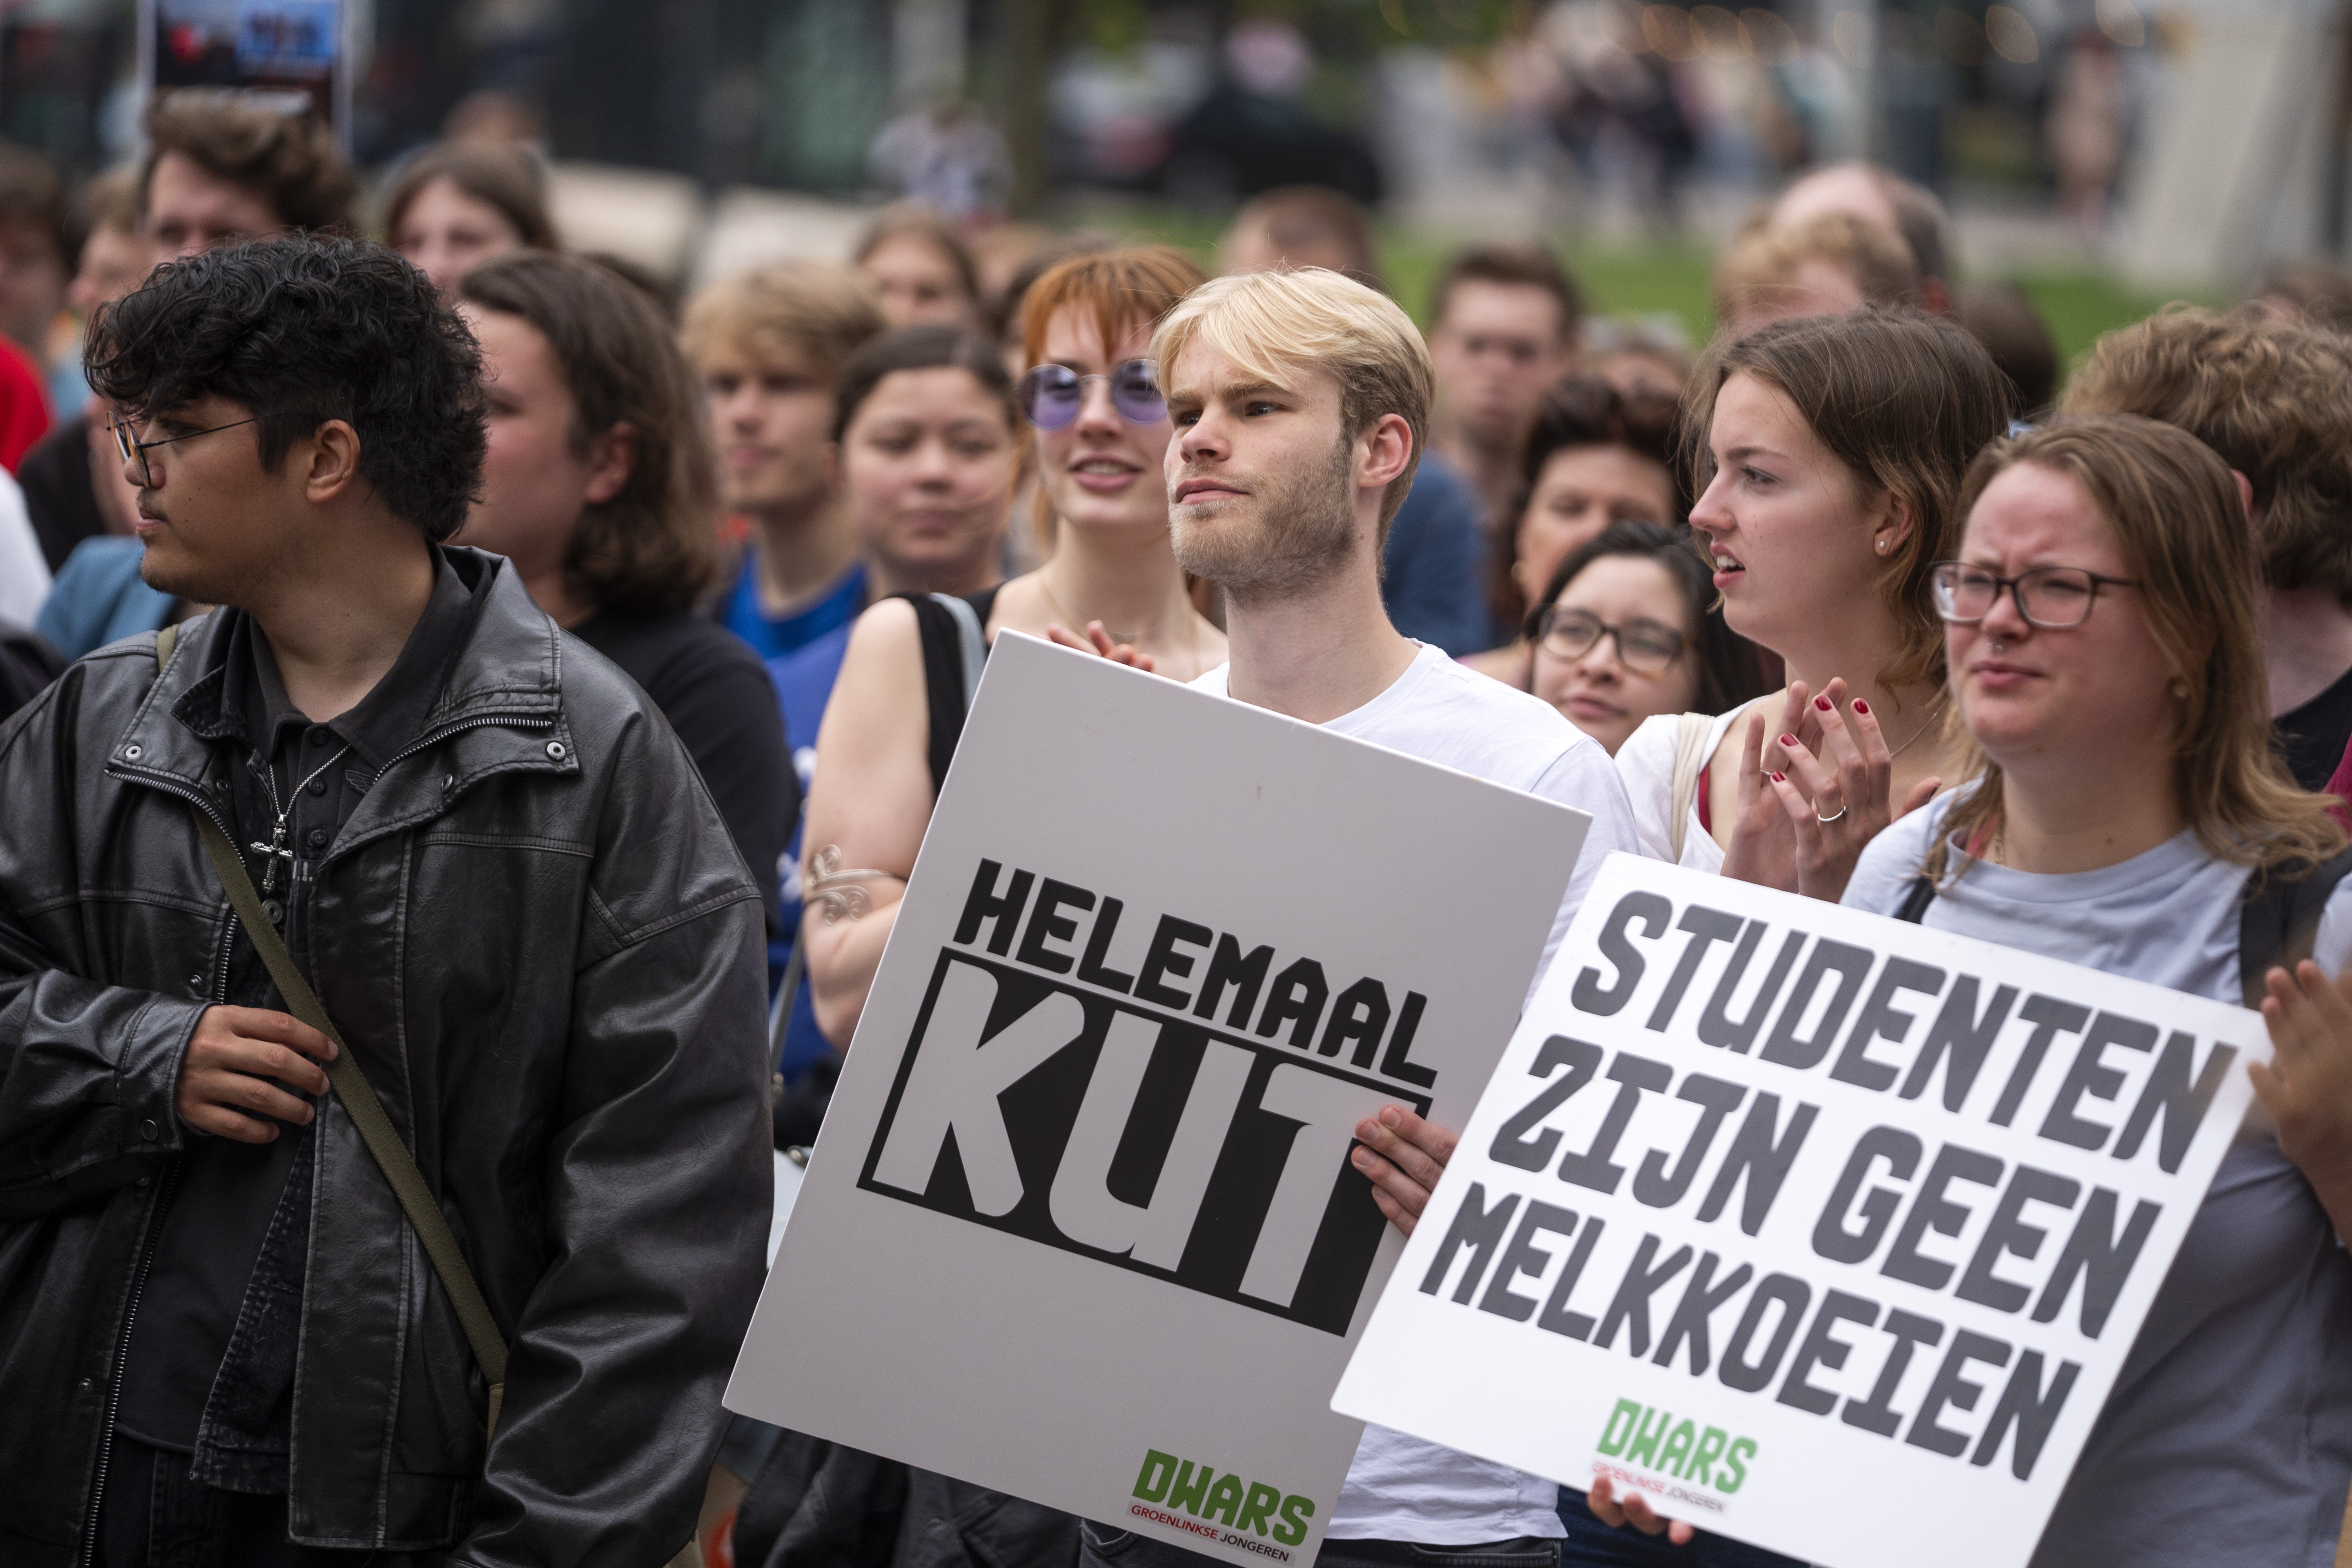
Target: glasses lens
1648, 647
2055, 595
1135, 392
1050, 395
1571, 633
1963, 593
126, 443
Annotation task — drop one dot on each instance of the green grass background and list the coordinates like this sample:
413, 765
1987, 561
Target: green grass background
2078, 303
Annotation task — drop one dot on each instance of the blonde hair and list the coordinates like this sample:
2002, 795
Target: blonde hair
819, 312
2172, 509
1315, 318
1765, 260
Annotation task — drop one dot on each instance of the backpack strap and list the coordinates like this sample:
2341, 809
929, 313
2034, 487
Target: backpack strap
950, 629
2278, 917
1690, 761
358, 1097
1913, 908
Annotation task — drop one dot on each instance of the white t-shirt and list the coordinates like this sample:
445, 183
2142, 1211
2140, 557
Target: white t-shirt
1646, 763
1400, 1487
2228, 1437
24, 571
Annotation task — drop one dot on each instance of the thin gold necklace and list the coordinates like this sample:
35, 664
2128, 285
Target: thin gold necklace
1925, 725
1078, 626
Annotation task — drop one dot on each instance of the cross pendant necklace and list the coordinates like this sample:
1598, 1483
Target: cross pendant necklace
276, 849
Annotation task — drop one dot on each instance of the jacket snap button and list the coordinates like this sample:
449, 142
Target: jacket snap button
448, 782
144, 1180
196, 984
86, 1382
131, 754
555, 750
147, 1130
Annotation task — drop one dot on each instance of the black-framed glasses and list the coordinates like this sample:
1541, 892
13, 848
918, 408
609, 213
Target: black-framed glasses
2054, 597
134, 450
1052, 395
1645, 648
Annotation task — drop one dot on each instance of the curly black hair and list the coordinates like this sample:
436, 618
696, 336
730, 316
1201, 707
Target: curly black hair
301, 331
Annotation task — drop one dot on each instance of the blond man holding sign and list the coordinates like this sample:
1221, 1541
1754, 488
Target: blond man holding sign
1301, 406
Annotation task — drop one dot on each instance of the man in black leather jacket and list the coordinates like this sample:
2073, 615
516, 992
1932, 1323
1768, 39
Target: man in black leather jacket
220, 1340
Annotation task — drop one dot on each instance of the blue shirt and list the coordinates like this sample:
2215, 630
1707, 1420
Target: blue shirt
804, 686
99, 597
773, 636
1430, 577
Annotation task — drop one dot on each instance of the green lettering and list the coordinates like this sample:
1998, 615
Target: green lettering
1709, 1449
1620, 1430
1296, 1511
1256, 1507
1151, 1481
1677, 1448
1190, 1488
1645, 1450
1743, 1449
1224, 1499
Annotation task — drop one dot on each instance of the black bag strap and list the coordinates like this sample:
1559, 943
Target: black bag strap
952, 631
2279, 917
1913, 907
358, 1097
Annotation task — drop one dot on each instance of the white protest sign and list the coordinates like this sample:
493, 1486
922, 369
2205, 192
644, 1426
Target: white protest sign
1082, 1226
1828, 1232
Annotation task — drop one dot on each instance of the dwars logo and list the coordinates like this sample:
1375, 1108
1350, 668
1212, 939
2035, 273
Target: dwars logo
1115, 1115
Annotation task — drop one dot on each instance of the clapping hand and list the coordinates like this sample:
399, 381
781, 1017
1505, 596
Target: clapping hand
1098, 640
1834, 785
2306, 1085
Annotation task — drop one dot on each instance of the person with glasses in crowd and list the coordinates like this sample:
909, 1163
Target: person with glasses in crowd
501, 874
1092, 397
2121, 803
1627, 630
1828, 452
1595, 456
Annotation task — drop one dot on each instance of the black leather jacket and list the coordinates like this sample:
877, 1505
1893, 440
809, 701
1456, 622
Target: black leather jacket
543, 949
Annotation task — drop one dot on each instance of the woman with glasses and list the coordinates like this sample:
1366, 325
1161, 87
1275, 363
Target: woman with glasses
1828, 453
1092, 399
2123, 807
1625, 630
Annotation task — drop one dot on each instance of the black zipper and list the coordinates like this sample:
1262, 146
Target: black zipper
122, 1352
513, 720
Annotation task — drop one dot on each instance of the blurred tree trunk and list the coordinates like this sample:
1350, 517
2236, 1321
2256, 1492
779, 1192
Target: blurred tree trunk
1031, 37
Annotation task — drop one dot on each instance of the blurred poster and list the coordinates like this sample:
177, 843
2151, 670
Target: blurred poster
294, 55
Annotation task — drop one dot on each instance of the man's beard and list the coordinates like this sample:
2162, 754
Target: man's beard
1304, 529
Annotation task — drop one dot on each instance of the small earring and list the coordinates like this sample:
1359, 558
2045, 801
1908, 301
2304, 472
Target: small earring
1882, 547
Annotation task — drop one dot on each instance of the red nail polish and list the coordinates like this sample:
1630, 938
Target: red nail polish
1788, 740
1859, 706
1822, 703
1779, 778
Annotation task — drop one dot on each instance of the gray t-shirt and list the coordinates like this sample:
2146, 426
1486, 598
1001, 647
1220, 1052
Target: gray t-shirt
2228, 1438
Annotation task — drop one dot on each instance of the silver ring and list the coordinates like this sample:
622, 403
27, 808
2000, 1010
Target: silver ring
1831, 817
